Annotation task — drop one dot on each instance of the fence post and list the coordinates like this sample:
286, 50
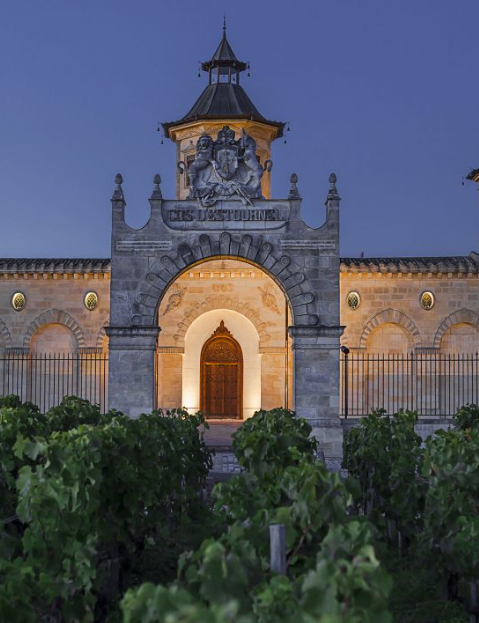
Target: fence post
277, 548
345, 352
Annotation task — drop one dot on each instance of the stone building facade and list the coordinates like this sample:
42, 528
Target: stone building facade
223, 265
391, 317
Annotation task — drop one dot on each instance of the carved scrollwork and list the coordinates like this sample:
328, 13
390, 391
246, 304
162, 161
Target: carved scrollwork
175, 298
268, 298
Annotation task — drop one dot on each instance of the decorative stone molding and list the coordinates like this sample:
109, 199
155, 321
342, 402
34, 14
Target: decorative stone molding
64, 265
5, 338
16, 351
175, 298
248, 247
272, 350
55, 316
466, 316
133, 338
412, 265
269, 299
89, 350
392, 316
220, 302
170, 350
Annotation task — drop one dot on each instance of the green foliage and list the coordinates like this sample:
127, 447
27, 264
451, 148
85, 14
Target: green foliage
467, 417
451, 513
384, 454
348, 584
272, 440
345, 585
157, 604
306, 498
73, 412
20, 423
92, 493
416, 593
333, 574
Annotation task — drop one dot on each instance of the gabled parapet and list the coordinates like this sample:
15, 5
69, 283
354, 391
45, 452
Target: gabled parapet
271, 234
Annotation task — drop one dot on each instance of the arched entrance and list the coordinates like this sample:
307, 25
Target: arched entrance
222, 375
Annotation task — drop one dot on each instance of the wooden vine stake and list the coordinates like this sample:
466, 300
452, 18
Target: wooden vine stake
473, 607
277, 545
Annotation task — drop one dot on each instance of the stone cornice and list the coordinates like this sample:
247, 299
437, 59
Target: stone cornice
54, 265
410, 265
405, 265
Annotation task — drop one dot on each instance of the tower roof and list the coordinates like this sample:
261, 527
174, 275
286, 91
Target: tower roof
223, 97
224, 56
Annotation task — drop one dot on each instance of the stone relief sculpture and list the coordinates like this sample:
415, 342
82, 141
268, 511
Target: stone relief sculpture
225, 168
269, 300
175, 299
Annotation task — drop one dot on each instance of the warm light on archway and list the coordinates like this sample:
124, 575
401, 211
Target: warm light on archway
245, 333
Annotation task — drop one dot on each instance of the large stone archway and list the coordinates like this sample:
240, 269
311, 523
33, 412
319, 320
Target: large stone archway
220, 290
269, 235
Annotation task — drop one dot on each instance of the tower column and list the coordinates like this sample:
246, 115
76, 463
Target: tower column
316, 383
132, 384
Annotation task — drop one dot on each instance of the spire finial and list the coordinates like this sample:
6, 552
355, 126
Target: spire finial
293, 191
156, 194
118, 192
224, 24
333, 191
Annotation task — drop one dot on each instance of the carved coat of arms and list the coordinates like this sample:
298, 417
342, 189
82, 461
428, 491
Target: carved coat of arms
225, 168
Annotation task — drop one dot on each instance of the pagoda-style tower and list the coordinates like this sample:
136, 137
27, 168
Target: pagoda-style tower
223, 102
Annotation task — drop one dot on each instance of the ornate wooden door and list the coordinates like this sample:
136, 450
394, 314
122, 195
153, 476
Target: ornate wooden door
222, 376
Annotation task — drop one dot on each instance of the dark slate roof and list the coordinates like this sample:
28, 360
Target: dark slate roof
224, 56
449, 264
54, 265
223, 101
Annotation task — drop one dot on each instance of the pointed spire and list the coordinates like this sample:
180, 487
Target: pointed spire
223, 97
224, 59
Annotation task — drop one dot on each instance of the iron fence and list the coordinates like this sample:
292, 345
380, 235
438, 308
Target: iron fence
46, 379
433, 384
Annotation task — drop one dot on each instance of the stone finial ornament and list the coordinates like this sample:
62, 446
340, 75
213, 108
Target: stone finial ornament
118, 192
156, 194
293, 191
333, 191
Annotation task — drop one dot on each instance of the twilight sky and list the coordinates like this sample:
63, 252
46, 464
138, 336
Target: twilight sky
383, 92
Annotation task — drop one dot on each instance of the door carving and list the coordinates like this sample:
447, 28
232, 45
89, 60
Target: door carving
222, 376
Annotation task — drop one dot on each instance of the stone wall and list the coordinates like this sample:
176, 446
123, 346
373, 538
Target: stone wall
55, 318
390, 318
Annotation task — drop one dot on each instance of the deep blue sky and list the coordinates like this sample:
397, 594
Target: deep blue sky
383, 92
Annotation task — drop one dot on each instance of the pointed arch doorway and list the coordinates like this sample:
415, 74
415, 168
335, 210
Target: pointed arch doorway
221, 379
